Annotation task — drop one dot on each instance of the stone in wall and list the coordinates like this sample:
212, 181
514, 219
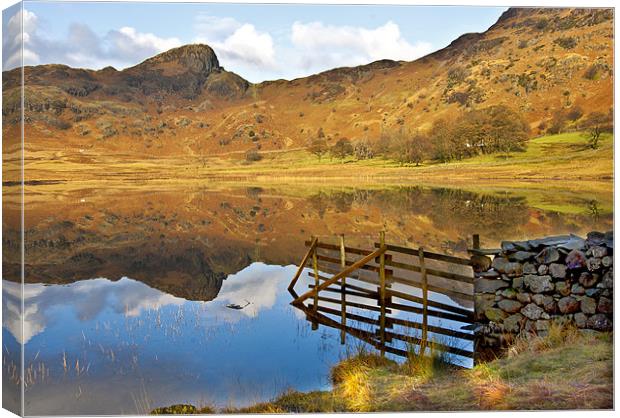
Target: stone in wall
532, 283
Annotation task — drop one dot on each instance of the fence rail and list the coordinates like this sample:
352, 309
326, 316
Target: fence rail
353, 288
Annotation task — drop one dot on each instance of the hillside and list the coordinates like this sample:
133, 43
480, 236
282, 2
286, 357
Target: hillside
182, 103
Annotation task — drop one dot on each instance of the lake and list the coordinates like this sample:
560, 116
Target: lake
126, 289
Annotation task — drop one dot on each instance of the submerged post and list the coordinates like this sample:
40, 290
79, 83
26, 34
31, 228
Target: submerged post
424, 301
382, 292
343, 295
315, 267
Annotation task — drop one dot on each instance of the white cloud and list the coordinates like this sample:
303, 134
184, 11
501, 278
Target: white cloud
126, 41
82, 47
12, 40
284, 52
213, 27
327, 46
236, 43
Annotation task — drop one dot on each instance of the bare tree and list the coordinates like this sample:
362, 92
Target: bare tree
318, 147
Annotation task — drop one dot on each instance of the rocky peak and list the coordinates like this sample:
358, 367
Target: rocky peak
195, 58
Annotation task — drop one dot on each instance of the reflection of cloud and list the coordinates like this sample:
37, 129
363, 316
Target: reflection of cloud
258, 283
86, 298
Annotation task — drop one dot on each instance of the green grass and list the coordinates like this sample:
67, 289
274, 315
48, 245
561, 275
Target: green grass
543, 151
567, 369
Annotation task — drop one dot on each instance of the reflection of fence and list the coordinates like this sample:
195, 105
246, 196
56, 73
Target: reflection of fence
375, 287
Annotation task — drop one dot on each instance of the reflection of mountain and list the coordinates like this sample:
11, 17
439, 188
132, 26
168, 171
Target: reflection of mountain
86, 299
178, 270
184, 242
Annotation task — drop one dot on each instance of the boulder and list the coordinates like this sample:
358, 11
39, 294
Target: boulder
551, 241
517, 282
599, 322
480, 263
538, 284
488, 285
521, 256
542, 325
532, 311
512, 246
575, 260
605, 305
513, 323
598, 251
609, 239
588, 305
511, 269
548, 255
495, 314
607, 261
587, 279
557, 271
530, 326
543, 269
524, 297
563, 288
593, 293
608, 281
489, 274
580, 320
482, 303
568, 305
577, 290
509, 305
594, 264
549, 304
509, 293
538, 299
574, 243
529, 268
595, 238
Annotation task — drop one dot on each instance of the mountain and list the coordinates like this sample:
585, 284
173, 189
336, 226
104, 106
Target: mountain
183, 103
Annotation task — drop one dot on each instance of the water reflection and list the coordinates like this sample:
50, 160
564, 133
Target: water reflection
152, 328
99, 340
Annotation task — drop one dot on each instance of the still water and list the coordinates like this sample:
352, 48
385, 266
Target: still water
98, 340
126, 291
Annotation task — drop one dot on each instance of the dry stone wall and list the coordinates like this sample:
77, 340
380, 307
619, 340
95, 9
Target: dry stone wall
531, 283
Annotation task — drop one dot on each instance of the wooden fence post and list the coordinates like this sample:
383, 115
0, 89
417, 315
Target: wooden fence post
315, 266
424, 301
476, 241
382, 292
343, 295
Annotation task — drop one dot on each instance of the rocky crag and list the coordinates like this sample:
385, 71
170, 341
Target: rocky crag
529, 284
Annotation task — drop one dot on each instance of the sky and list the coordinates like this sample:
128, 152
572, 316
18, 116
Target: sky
258, 42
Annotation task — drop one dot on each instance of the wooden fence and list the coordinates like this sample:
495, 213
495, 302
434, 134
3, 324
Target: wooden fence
369, 293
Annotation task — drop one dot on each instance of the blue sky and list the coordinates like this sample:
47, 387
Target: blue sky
259, 42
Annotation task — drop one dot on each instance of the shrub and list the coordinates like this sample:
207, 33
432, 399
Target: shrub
342, 148
557, 123
362, 150
542, 24
594, 70
253, 155
457, 75
574, 113
567, 42
487, 130
318, 147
